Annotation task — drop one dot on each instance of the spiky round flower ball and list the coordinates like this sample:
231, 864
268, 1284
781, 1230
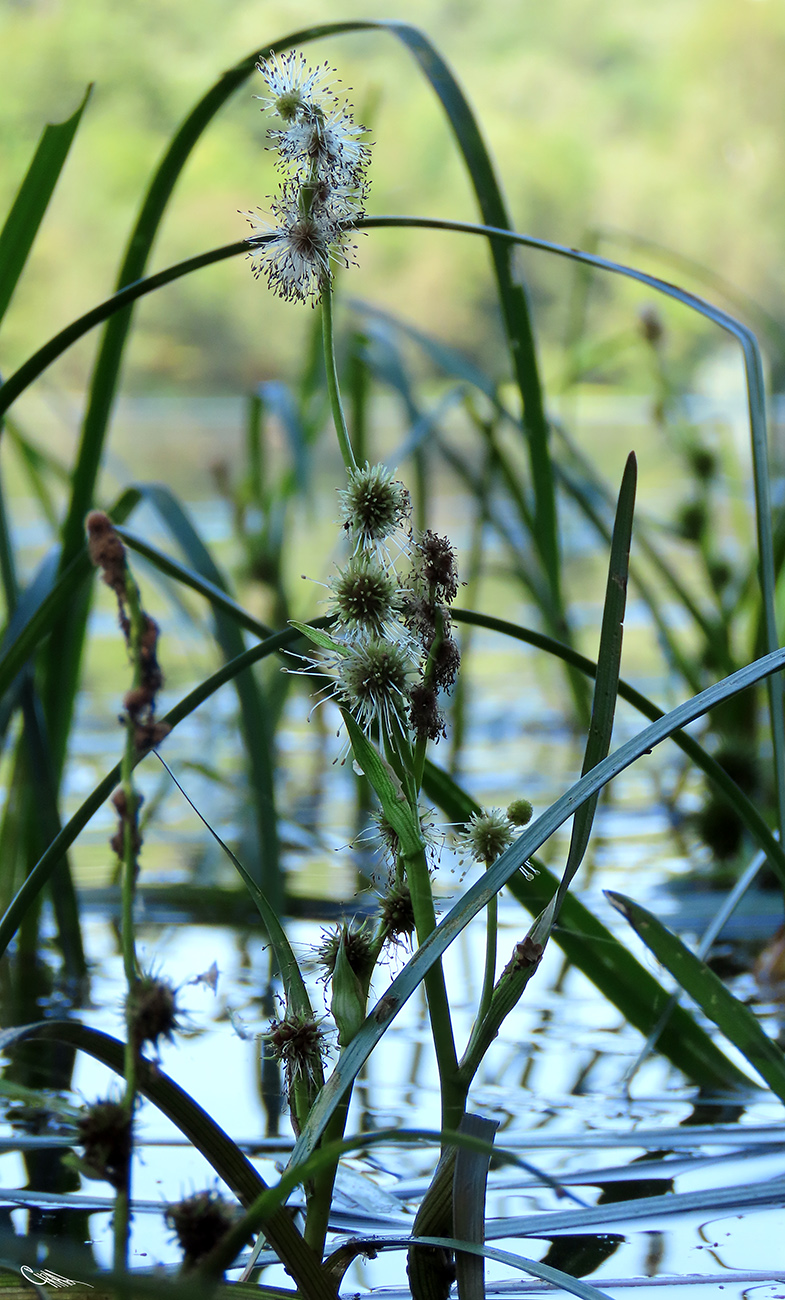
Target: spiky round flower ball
199, 1222
432, 837
486, 835
397, 913
356, 941
293, 84
372, 681
296, 1041
295, 255
152, 1011
520, 812
105, 1134
328, 143
373, 505
365, 596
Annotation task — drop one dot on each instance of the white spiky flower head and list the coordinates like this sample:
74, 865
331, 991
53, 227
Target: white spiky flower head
294, 86
367, 600
372, 681
374, 506
324, 159
298, 251
324, 144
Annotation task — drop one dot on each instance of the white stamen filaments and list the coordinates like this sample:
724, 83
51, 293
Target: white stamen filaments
324, 159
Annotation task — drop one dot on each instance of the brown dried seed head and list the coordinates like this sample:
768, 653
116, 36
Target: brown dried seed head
199, 1223
105, 1133
152, 1011
106, 550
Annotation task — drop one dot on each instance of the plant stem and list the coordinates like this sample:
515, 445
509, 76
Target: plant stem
320, 1202
453, 1095
334, 392
489, 977
136, 621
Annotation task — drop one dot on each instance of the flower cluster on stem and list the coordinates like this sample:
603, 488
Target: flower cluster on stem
323, 158
393, 653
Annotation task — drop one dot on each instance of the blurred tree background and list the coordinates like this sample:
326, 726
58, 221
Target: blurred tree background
658, 117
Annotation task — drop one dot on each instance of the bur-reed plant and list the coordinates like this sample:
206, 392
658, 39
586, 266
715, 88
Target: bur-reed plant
387, 654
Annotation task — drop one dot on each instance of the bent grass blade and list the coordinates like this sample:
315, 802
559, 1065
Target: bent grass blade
736, 1021
208, 1137
476, 898
27, 211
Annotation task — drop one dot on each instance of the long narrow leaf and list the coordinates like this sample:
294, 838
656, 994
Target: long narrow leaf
297, 999
594, 950
744, 806
736, 1021
217, 597
606, 687
207, 1136
753, 369
43, 869
32, 200
254, 714
476, 898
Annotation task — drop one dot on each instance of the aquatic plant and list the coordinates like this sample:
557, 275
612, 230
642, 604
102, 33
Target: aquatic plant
387, 655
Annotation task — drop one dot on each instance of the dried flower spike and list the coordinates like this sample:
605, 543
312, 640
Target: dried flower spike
152, 1011
199, 1222
105, 1134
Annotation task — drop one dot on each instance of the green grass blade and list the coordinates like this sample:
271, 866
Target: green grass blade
327, 1157
564, 1281
256, 725
35, 365
753, 370
33, 818
43, 869
594, 950
629, 986
470, 1182
297, 999
736, 797
496, 876
582, 487
736, 1021
181, 573
27, 211
38, 466
598, 741
43, 601
103, 386
512, 296
195, 1124
39, 809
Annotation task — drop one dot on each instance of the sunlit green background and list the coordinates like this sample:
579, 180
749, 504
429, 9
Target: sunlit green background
663, 118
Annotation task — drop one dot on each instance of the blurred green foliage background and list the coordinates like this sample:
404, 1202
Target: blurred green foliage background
658, 117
